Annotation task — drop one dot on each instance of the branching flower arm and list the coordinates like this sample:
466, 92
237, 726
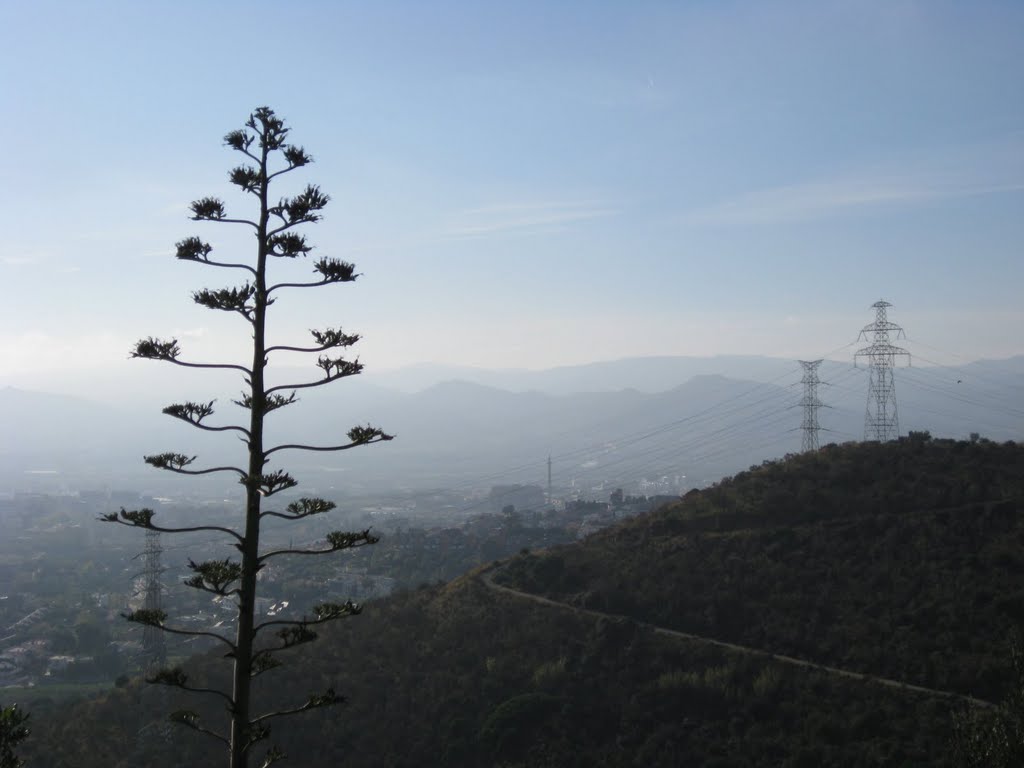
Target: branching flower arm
357, 436
215, 576
229, 221
304, 507
176, 462
334, 369
194, 249
151, 618
315, 701
194, 413
223, 366
212, 209
143, 518
229, 300
288, 348
167, 351
329, 338
304, 208
336, 540
296, 631
175, 677
270, 402
271, 482
307, 385
331, 271
190, 719
296, 157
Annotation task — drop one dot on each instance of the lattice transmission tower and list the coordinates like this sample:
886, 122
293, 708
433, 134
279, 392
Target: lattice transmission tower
155, 737
154, 649
810, 403
881, 421
550, 498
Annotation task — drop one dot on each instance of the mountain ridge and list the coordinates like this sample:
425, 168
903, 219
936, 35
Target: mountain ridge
705, 426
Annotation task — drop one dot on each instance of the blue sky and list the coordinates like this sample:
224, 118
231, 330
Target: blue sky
524, 184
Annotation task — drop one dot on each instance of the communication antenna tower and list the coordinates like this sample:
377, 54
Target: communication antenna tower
881, 421
810, 402
154, 648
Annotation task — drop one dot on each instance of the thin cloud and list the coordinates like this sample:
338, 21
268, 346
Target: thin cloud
818, 200
45, 261
175, 209
190, 333
19, 260
522, 218
971, 172
537, 205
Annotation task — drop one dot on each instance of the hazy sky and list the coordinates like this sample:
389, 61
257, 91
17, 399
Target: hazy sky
524, 183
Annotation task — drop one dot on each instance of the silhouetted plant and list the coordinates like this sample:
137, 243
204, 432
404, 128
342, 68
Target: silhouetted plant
261, 142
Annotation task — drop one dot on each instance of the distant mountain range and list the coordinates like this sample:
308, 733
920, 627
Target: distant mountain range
605, 425
646, 374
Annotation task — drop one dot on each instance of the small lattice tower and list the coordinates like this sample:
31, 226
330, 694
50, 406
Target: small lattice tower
155, 737
550, 498
810, 403
154, 648
881, 421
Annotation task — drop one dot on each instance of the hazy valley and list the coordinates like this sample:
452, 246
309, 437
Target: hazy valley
885, 576
605, 425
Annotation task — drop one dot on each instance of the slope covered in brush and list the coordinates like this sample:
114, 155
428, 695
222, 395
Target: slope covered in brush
903, 560
461, 675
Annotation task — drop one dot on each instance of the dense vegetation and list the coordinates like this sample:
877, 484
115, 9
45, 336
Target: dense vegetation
459, 675
901, 560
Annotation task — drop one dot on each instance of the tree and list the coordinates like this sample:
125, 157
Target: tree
995, 739
254, 649
13, 731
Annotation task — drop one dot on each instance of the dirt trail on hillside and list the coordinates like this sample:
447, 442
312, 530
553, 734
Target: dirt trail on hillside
487, 577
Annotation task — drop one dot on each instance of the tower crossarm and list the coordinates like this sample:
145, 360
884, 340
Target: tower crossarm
881, 327
881, 349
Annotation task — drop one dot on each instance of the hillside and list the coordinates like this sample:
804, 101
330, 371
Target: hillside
901, 560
